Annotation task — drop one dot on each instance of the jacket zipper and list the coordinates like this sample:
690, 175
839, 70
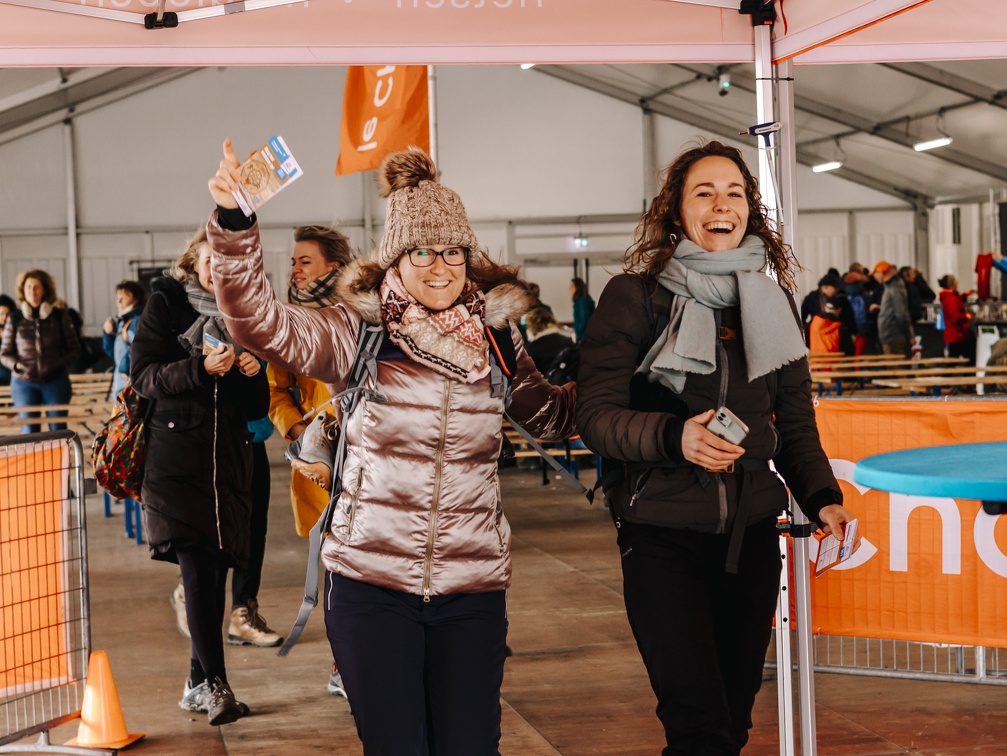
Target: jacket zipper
438, 462
353, 504
724, 380
499, 509
216, 496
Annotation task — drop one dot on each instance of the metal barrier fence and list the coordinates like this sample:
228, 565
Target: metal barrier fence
45, 633
882, 657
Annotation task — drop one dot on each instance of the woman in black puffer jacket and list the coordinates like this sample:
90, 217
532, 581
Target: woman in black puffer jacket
196, 494
696, 514
39, 345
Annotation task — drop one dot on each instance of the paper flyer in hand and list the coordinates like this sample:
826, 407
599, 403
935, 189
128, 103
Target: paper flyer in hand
832, 551
267, 171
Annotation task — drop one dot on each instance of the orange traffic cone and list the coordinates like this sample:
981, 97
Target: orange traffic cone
101, 722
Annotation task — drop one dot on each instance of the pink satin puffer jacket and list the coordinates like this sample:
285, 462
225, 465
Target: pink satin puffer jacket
420, 509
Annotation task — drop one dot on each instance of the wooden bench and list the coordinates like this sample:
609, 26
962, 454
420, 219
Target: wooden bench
567, 454
829, 380
83, 417
935, 384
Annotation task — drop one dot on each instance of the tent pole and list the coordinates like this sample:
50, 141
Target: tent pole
787, 155
73, 257
432, 112
649, 157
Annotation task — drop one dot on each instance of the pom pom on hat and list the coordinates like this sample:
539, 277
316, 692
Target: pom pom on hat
421, 211
401, 170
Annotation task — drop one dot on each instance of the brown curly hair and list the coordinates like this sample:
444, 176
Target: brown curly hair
658, 234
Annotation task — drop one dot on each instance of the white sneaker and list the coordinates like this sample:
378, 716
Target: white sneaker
177, 599
335, 686
314, 452
249, 628
195, 698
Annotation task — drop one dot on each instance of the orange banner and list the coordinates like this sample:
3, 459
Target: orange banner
929, 569
385, 109
34, 523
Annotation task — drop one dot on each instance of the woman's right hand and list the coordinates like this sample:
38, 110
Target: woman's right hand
702, 448
108, 326
219, 361
225, 180
297, 429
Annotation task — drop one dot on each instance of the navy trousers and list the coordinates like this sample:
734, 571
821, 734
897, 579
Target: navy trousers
422, 677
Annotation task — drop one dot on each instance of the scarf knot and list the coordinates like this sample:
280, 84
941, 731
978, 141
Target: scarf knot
451, 342
704, 282
210, 320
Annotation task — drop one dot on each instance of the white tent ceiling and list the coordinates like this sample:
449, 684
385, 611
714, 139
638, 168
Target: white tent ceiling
866, 113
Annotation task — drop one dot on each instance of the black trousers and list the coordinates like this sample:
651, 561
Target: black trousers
246, 580
204, 577
421, 678
702, 633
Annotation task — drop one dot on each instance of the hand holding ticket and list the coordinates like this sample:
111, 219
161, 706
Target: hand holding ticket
832, 551
267, 171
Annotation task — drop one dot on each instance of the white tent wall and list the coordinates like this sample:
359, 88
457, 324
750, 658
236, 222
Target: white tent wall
545, 150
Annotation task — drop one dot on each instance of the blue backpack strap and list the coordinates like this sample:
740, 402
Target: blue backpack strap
369, 339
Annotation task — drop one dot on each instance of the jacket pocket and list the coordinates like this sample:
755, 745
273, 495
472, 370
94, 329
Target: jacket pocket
178, 420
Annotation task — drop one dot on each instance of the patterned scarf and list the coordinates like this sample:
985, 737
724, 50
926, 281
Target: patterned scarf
210, 321
704, 282
450, 342
318, 294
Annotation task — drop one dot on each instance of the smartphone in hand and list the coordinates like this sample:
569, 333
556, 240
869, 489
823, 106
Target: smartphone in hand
726, 425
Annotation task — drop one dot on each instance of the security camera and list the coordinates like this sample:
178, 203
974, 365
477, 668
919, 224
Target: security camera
724, 84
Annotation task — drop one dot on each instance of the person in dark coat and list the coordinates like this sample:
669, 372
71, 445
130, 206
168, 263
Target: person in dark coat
696, 514
7, 306
39, 346
545, 339
196, 495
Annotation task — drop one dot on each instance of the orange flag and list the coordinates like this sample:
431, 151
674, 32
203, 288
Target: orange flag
385, 109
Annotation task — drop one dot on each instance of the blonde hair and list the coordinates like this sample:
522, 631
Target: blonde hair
184, 266
538, 319
48, 286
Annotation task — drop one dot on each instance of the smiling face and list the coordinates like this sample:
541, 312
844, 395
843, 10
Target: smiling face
308, 264
34, 292
436, 287
714, 204
203, 268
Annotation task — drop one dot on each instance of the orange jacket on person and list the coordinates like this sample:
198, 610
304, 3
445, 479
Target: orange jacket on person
823, 334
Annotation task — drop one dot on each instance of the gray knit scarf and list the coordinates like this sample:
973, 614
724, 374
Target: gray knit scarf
210, 320
706, 281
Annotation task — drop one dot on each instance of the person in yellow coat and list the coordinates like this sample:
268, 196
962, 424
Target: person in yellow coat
320, 253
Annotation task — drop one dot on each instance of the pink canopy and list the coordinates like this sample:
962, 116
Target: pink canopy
33, 33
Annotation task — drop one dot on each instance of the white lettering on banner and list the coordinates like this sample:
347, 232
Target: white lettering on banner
371, 126
986, 545
899, 510
900, 507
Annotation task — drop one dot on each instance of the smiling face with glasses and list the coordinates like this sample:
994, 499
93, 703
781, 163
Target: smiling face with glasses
434, 274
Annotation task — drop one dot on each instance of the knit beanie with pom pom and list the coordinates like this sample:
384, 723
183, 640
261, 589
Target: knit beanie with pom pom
421, 211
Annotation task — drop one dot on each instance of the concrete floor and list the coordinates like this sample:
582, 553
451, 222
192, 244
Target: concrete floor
575, 684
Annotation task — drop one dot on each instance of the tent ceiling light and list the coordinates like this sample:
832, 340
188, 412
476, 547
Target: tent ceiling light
932, 144
830, 166
526, 66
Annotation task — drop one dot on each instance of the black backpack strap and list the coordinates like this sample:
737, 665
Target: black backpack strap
503, 366
369, 340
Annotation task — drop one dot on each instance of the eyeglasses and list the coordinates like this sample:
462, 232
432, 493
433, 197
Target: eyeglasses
422, 257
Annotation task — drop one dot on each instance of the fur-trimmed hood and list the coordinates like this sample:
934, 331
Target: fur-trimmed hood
504, 303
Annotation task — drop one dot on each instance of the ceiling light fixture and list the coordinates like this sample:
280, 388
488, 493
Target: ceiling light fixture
942, 141
829, 166
526, 66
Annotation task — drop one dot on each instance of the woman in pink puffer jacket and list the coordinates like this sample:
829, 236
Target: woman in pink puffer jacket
418, 552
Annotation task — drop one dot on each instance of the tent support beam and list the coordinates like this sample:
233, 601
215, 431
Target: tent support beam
73, 257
